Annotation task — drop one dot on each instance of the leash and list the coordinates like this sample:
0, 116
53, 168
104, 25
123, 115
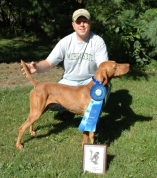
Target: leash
91, 116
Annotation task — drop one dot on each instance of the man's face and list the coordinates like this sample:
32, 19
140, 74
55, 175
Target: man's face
82, 26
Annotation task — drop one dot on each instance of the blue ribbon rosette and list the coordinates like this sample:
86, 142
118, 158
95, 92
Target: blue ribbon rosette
90, 118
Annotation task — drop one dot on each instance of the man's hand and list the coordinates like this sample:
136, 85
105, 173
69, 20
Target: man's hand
40, 67
31, 68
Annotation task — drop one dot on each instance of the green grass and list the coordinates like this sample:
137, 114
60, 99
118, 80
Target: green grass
127, 125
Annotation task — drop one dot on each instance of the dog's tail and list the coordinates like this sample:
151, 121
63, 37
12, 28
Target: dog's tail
28, 74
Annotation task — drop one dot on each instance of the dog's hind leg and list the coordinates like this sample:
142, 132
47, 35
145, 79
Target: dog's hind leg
37, 106
28, 123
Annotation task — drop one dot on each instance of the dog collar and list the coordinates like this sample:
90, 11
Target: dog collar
97, 81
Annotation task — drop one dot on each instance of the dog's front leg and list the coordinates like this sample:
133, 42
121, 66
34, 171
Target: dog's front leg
91, 137
85, 138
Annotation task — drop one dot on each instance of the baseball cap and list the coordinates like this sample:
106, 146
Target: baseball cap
81, 12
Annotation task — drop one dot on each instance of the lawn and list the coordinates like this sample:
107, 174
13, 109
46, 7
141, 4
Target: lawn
127, 125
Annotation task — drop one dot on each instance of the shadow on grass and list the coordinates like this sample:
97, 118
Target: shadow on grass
56, 128
118, 117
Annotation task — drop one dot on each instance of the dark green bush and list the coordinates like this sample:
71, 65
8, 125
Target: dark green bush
128, 27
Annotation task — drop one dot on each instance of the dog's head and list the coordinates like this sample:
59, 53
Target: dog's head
109, 69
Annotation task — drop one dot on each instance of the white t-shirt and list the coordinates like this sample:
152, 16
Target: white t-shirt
81, 59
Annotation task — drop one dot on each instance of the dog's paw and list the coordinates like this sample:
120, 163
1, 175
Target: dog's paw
33, 133
19, 146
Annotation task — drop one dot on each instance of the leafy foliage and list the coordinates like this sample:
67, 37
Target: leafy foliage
128, 27
45, 18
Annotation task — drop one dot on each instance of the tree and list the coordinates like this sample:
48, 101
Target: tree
48, 18
128, 27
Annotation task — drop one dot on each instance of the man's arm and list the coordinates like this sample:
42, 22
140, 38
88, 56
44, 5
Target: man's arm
43, 66
40, 67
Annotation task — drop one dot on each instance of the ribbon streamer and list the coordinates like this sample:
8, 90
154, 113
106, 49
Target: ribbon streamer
91, 116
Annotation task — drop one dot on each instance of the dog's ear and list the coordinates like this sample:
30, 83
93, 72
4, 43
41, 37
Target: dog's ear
104, 77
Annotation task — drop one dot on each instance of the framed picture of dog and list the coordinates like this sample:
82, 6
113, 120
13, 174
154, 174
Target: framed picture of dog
94, 158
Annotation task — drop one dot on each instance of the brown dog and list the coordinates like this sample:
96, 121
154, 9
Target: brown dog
73, 98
